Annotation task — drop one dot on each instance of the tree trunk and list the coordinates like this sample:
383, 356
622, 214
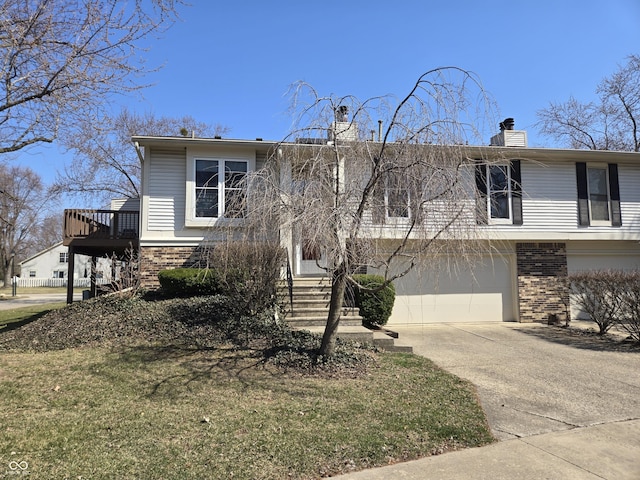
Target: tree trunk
338, 286
8, 270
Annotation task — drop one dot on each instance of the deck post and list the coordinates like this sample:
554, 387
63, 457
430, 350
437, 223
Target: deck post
70, 270
94, 281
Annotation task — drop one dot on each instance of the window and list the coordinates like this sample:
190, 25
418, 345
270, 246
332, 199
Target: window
598, 187
598, 194
219, 188
58, 274
499, 192
32, 274
499, 198
396, 197
64, 257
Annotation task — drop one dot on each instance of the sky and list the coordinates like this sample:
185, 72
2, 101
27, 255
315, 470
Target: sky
232, 61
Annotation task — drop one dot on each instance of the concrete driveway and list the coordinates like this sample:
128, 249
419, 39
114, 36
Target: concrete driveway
563, 407
533, 378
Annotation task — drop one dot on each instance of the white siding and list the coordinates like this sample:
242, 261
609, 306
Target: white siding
45, 263
549, 197
629, 180
550, 204
167, 188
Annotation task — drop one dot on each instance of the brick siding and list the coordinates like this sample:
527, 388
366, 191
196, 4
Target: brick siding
539, 266
154, 259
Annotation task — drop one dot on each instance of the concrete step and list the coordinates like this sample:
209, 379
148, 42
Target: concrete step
347, 332
385, 342
319, 321
301, 311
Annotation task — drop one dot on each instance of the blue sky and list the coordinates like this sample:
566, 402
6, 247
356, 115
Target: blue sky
231, 62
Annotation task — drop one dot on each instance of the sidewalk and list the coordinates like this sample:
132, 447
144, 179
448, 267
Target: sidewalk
610, 451
27, 299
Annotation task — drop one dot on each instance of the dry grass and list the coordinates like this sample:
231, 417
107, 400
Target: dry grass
175, 410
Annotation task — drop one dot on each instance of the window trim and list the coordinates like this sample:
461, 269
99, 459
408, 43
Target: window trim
602, 167
191, 220
508, 220
584, 199
514, 194
387, 206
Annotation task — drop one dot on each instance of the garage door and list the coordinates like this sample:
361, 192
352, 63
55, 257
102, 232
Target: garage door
479, 294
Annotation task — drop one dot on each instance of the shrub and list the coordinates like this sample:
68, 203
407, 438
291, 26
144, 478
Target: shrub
248, 272
189, 282
629, 321
374, 299
598, 293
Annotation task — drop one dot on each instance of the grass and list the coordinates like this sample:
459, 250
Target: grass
18, 316
6, 291
174, 411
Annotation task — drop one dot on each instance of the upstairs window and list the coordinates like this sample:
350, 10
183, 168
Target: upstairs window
598, 187
396, 197
64, 257
219, 188
499, 193
598, 194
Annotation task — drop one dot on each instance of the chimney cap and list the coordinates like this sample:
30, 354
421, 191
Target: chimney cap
507, 124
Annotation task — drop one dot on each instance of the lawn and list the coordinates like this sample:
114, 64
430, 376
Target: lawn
176, 411
21, 315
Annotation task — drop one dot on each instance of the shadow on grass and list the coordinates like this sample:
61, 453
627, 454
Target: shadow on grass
14, 325
183, 367
582, 339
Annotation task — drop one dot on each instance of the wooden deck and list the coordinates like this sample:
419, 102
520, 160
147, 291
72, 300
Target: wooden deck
99, 233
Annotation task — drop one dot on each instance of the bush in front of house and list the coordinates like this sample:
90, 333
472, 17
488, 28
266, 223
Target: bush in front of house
248, 272
609, 298
597, 293
189, 282
373, 298
629, 321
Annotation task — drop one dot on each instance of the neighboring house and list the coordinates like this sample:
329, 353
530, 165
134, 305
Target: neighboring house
545, 212
50, 268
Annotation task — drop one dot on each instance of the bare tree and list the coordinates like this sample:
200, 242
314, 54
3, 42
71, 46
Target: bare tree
63, 60
105, 165
45, 232
22, 199
611, 123
386, 195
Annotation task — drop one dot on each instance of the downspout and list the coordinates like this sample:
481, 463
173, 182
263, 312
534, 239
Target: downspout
139, 152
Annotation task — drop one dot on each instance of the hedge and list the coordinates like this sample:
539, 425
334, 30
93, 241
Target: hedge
374, 301
189, 282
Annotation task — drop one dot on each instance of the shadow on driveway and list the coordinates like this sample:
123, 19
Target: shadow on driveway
583, 339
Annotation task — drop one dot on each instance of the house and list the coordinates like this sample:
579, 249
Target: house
50, 267
542, 213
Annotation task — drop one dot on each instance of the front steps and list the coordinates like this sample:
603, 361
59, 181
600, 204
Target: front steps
311, 296
310, 308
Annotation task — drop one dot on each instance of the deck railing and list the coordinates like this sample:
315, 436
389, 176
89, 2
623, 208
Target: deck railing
101, 224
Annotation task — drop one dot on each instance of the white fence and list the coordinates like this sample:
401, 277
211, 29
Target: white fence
57, 282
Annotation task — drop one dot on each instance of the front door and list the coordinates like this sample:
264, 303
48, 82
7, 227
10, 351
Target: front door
309, 258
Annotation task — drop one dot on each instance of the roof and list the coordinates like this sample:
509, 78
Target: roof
42, 252
481, 151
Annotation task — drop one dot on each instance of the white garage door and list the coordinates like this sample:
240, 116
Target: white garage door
483, 293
